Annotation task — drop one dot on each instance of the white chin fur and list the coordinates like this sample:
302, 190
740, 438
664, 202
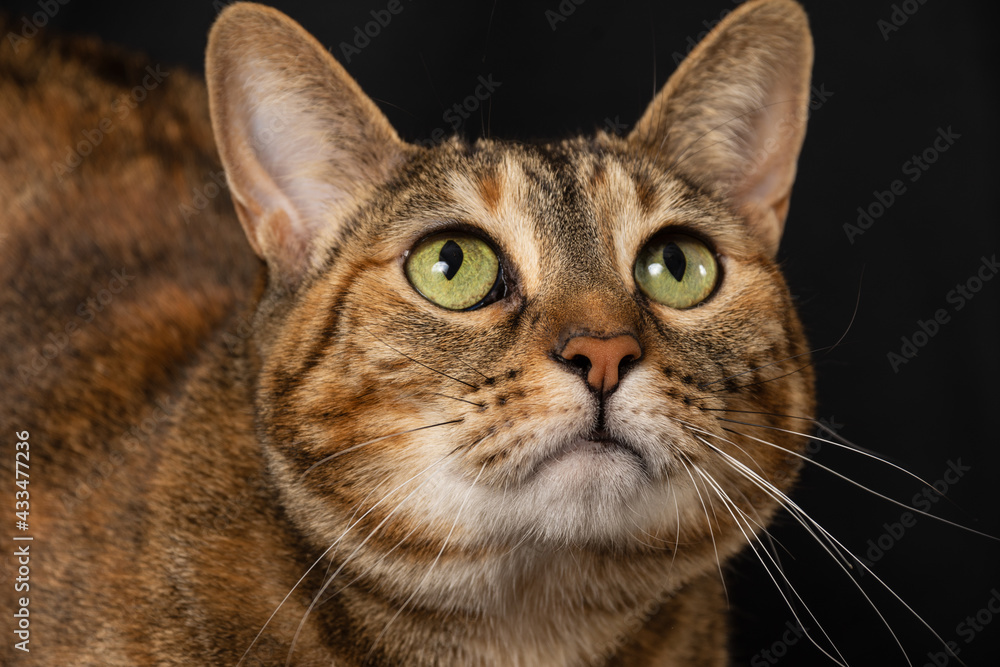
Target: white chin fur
584, 499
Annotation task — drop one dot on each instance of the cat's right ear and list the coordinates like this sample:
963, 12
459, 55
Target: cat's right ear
302, 145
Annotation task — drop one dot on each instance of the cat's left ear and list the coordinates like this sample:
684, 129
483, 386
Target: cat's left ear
301, 143
733, 116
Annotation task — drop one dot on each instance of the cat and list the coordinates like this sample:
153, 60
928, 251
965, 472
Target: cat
364, 402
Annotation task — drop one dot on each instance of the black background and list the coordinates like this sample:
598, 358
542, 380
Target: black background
886, 98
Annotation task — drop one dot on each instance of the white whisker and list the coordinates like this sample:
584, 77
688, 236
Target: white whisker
373, 441
750, 541
850, 448
434, 563
840, 548
862, 486
711, 531
330, 580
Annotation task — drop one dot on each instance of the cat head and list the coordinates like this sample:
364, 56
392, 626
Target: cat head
472, 349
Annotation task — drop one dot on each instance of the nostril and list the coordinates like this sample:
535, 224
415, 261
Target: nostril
601, 361
625, 364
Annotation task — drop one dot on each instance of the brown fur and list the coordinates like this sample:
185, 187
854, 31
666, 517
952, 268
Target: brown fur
228, 424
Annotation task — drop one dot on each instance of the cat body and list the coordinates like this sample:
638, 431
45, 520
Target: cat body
297, 441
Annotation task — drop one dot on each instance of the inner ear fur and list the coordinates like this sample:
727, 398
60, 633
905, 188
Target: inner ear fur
301, 144
732, 118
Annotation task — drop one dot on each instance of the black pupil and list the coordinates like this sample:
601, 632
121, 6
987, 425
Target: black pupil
452, 255
674, 260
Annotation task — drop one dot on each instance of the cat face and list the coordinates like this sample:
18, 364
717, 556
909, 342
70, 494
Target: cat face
504, 350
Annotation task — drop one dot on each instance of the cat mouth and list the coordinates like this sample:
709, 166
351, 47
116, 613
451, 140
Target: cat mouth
593, 453
602, 437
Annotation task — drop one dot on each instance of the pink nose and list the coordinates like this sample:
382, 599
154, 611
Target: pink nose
602, 357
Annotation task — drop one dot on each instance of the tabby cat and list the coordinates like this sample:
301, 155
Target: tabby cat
471, 404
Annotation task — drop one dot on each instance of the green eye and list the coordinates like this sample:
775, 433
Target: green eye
454, 270
676, 270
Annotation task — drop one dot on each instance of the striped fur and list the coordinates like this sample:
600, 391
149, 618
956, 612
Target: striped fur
322, 417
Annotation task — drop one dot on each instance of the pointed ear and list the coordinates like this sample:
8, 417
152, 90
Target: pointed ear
733, 115
301, 143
